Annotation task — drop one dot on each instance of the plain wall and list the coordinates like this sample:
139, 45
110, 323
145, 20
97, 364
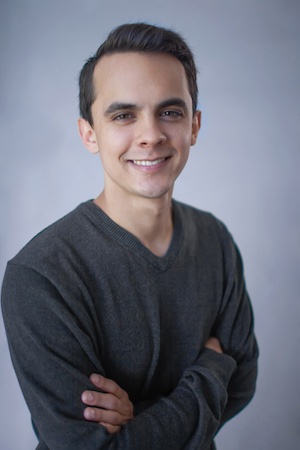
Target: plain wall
244, 168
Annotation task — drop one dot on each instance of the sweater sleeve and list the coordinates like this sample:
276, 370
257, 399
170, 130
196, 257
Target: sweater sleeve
53, 353
235, 330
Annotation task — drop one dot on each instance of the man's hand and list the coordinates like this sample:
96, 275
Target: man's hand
214, 344
111, 407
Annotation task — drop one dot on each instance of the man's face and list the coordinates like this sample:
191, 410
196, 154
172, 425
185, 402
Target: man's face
143, 123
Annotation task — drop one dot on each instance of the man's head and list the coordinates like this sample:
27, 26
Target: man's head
138, 37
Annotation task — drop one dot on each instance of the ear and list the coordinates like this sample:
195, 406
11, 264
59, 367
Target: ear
88, 135
196, 125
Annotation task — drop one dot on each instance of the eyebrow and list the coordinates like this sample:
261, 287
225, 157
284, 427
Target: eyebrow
121, 106
118, 106
173, 101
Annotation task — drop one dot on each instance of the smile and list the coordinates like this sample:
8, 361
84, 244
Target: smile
148, 163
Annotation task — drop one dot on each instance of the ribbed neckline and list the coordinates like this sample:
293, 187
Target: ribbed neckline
127, 239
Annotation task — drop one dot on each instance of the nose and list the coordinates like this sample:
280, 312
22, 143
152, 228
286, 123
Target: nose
149, 132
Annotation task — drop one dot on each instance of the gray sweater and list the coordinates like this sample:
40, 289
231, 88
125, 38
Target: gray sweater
86, 296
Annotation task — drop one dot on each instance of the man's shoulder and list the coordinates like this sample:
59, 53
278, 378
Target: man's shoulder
202, 229
192, 215
49, 240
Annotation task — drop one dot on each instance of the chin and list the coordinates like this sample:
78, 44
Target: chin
156, 193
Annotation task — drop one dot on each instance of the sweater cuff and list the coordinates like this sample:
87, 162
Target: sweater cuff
221, 365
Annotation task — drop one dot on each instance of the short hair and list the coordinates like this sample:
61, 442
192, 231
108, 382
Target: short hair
137, 37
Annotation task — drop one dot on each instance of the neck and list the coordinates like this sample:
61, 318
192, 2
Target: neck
149, 220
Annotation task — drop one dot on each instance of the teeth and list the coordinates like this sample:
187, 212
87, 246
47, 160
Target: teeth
148, 163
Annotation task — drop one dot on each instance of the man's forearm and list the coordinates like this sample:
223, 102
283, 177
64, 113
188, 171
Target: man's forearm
111, 406
190, 415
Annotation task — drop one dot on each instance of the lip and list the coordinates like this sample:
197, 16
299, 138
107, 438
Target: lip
148, 164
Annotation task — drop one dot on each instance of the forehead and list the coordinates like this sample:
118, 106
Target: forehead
135, 76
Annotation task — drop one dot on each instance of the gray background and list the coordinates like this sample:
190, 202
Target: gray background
245, 167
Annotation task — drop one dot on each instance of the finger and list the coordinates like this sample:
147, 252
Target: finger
111, 429
102, 415
107, 401
107, 385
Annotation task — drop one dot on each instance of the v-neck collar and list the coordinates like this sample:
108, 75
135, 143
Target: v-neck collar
127, 239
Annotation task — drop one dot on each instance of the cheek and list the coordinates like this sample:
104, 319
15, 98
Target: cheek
182, 134
118, 139
112, 143
183, 146
183, 142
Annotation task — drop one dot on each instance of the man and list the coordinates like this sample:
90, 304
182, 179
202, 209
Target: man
128, 320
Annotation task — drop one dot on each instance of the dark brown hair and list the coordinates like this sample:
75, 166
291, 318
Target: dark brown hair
137, 37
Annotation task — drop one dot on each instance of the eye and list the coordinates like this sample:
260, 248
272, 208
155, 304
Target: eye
172, 113
123, 116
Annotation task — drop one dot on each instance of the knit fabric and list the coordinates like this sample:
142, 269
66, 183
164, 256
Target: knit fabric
86, 296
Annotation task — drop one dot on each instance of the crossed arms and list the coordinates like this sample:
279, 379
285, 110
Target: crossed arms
111, 406
55, 378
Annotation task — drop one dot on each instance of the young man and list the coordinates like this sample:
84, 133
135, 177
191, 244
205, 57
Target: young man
128, 320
